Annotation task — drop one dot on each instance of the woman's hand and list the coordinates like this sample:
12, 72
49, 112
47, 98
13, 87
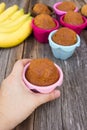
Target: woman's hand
17, 102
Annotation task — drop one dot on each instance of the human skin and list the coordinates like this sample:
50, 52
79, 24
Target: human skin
17, 102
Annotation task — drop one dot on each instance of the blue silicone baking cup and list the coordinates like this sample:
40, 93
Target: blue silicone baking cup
60, 51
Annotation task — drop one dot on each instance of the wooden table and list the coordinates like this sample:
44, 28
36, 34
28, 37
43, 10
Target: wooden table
69, 112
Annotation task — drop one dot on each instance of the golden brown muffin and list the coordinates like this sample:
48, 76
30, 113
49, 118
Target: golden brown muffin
84, 10
44, 21
42, 72
65, 36
67, 6
40, 8
73, 18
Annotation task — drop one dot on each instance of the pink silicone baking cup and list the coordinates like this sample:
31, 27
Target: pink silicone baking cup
43, 89
40, 34
58, 12
77, 28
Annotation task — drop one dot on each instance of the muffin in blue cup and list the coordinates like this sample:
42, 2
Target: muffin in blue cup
63, 42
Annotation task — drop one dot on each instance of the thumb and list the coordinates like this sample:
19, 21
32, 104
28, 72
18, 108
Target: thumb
19, 66
43, 98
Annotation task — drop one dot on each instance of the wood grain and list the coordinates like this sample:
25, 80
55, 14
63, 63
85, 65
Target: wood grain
69, 112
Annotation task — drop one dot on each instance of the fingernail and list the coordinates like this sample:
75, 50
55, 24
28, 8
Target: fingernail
57, 94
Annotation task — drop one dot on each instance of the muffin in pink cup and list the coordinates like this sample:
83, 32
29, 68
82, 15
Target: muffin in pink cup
61, 8
74, 21
41, 78
42, 25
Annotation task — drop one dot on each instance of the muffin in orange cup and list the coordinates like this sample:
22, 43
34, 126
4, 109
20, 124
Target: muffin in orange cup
84, 10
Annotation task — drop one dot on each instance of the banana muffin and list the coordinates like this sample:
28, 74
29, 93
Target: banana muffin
44, 21
65, 36
67, 6
73, 18
84, 10
40, 8
42, 72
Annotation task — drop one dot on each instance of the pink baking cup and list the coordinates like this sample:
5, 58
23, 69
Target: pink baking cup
77, 28
58, 12
43, 89
40, 34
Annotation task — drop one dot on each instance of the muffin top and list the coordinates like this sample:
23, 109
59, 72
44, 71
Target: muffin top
65, 36
42, 72
67, 6
73, 18
41, 8
44, 21
84, 10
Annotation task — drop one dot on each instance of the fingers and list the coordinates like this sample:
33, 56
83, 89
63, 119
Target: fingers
43, 98
23, 61
18, 67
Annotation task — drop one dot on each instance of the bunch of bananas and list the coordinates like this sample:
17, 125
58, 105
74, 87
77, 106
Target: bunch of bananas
15, 25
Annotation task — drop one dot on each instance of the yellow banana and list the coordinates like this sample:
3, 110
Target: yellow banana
2, 7
17, 37
17, 21
15, 25
8, 12
15, 16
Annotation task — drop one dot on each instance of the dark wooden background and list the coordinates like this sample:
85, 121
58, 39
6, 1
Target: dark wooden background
69, 112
